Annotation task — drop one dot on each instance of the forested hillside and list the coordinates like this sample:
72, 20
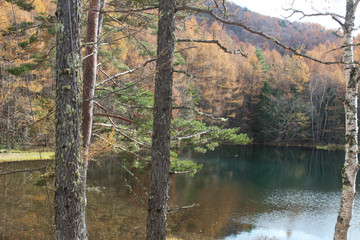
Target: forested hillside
299, 35
270, 94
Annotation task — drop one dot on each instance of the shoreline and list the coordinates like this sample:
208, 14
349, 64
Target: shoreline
25, 156
18, 156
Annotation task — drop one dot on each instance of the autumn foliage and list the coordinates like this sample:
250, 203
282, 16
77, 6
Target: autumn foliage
271, 95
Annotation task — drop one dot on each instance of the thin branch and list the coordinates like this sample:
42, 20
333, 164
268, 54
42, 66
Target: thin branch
137, 180
196, 110
131, 34
338, 21
194, 135
123, 134
135, 195
184, 72
185, 172
172, 210
215, 42
126, 72
317, 14
239, 23
107, 75
344, 46
89, 55
23, 170
121, 148
34, 123
131, 10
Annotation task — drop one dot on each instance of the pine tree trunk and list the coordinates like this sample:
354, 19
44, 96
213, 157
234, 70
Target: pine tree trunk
90, 63
351, 127
160, 179
89, 81
69, 202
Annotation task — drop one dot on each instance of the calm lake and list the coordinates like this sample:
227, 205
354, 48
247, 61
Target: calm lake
247, 192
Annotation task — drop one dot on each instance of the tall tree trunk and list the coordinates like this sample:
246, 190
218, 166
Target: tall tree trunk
90, 63
69, 203
351, 132
89, 81
160, 179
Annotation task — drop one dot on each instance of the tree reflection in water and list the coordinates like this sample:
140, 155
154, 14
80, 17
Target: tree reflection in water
247, 192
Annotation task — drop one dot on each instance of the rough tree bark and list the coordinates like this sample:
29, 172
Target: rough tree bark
351, 167
69, 203
160, 179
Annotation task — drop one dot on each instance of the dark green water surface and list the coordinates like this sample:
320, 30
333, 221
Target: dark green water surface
250, 192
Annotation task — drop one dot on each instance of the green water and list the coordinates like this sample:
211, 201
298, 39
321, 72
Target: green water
247, 192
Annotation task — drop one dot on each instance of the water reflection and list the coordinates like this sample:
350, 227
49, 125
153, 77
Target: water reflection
248, 192
274, 192
25, 209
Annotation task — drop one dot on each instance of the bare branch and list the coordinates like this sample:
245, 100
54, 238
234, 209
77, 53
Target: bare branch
23, 170
194, 135
196, 110
131, 34
135, 195
215, 42
172, 210
338, 21
34, 123
337, 34
137, 180
131, 10
239, 23
121, 148
184, 72
317, 14
344, 46
185, 172
126, 72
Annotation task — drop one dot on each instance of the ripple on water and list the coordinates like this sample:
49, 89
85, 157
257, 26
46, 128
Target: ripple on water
295, 214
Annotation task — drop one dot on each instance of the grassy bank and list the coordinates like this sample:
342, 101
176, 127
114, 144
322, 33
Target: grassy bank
14, 156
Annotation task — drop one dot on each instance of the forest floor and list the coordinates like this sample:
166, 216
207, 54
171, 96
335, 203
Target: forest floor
14, 156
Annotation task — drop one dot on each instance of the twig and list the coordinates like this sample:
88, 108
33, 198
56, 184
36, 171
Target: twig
131, 10
184, 172
126, 72
131, 34
36, 122
194, 135
121, 148
196, 110
135, 195
184, 72
137, 180
215, 42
